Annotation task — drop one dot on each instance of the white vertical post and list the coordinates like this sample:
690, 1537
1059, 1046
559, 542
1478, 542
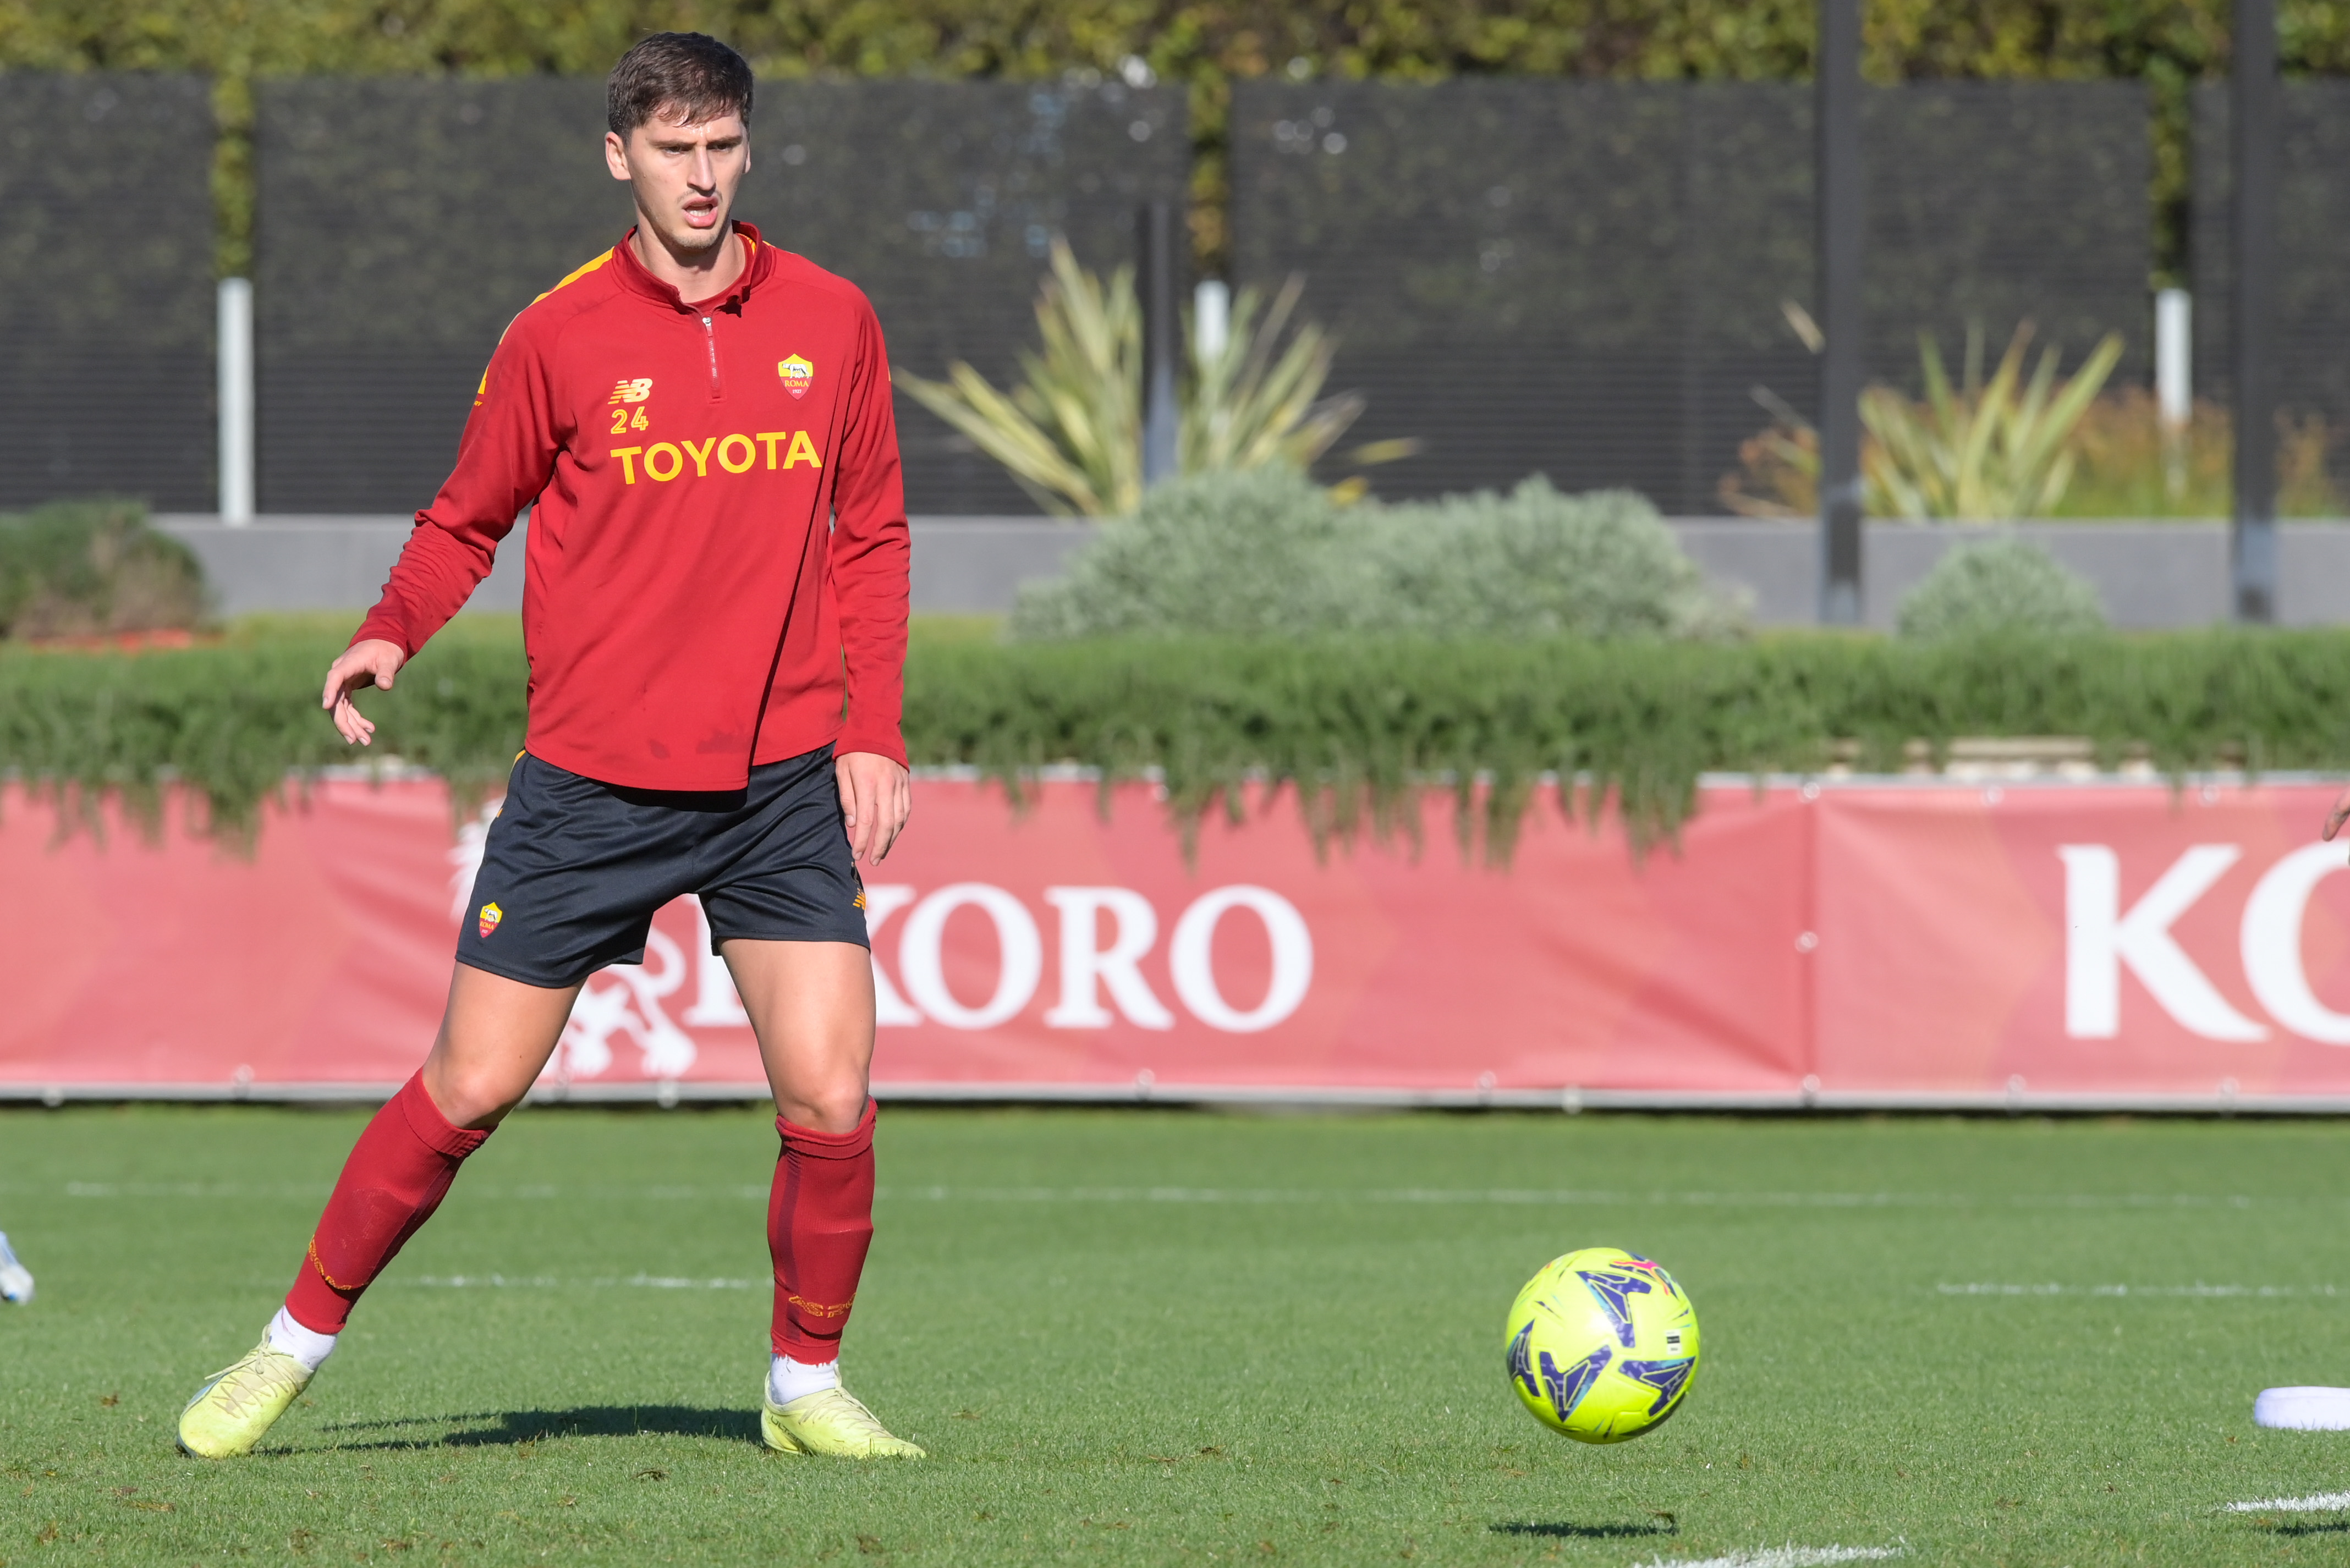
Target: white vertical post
1211, 317
2174, 355
236, 361
2174, 382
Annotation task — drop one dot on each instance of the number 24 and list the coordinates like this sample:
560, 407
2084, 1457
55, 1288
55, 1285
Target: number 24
621, 421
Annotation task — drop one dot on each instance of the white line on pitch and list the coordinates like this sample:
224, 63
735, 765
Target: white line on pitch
1784, 1557
2316, 1502
2198, 1289
547, 1282
1566, 1197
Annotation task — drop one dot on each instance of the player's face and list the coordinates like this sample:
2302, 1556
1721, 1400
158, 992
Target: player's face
684, 176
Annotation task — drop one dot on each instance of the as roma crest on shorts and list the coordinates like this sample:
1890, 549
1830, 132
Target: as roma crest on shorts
798, 375
488, 921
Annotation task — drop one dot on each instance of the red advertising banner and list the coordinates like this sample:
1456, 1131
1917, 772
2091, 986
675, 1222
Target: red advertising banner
1878, 942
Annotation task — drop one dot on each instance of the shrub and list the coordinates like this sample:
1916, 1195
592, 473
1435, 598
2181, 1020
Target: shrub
1250, 552
1266, 552
1535, 563
2007, 585
76, 568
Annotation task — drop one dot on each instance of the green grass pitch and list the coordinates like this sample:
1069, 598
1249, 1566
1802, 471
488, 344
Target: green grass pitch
1163, 1338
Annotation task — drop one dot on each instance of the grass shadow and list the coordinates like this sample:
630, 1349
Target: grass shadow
2338, 1527
494, 1428
1564, 1532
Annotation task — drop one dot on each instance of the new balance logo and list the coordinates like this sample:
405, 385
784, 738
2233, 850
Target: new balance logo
635, 392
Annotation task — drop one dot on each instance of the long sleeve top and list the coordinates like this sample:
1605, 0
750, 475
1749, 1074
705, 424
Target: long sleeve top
716, 567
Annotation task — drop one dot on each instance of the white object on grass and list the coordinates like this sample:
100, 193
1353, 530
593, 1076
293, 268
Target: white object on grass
2319, 1502
2304, 1409
1791, 1557
15, 1279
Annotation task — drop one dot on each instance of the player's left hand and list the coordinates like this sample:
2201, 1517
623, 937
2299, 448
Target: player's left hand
2337, 816
874, 799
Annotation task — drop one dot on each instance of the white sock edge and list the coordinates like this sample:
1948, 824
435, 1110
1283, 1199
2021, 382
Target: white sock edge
305, 1345
788, 1380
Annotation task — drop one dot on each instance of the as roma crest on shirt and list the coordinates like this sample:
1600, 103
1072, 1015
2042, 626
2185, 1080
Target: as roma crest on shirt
798, 375
488, 919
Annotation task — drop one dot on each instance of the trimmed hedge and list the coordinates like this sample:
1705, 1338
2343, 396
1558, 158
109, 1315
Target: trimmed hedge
231, 720
1361, 723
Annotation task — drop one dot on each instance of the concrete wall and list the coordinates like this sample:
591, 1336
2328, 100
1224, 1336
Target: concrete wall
961, 565
2149, 574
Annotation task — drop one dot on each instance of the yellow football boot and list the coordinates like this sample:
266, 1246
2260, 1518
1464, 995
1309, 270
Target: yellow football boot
831, 1421
242, 1401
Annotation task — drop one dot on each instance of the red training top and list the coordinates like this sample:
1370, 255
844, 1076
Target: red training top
687, 612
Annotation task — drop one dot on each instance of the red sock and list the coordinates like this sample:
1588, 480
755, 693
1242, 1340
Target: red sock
395, 1177
819, 1223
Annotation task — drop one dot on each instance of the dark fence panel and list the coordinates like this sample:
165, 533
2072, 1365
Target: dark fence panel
1995, 203
404, 222
401, 224
940, 200
1587, 279
2312, 255
106, 289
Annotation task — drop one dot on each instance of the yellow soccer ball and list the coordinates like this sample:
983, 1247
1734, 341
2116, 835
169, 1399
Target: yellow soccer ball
1602, 1345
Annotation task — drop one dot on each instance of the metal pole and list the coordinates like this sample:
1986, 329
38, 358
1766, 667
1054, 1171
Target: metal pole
1155, 239
234, 361
2252, 116
1840, 197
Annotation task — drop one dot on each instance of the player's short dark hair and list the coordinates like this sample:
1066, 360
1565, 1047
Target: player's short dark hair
692, 73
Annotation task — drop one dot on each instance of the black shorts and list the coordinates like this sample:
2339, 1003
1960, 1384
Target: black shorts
573, 869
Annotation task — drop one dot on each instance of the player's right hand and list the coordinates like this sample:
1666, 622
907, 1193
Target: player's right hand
2337, 816
363, 664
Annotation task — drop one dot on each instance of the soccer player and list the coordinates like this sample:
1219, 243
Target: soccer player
2315, 1408
715, 614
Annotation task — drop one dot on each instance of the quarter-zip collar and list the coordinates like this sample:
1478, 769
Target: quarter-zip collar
633, 277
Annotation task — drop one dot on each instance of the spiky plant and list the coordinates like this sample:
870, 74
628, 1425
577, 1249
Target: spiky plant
1256, 401
2001, 448
1070, 433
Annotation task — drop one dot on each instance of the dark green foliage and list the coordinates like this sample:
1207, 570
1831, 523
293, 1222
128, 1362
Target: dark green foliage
1268, 552
1361, 723
2007, 585
75, 569
231, 720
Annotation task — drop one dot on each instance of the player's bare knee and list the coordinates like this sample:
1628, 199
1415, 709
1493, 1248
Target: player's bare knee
830, 1108
471, 1096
